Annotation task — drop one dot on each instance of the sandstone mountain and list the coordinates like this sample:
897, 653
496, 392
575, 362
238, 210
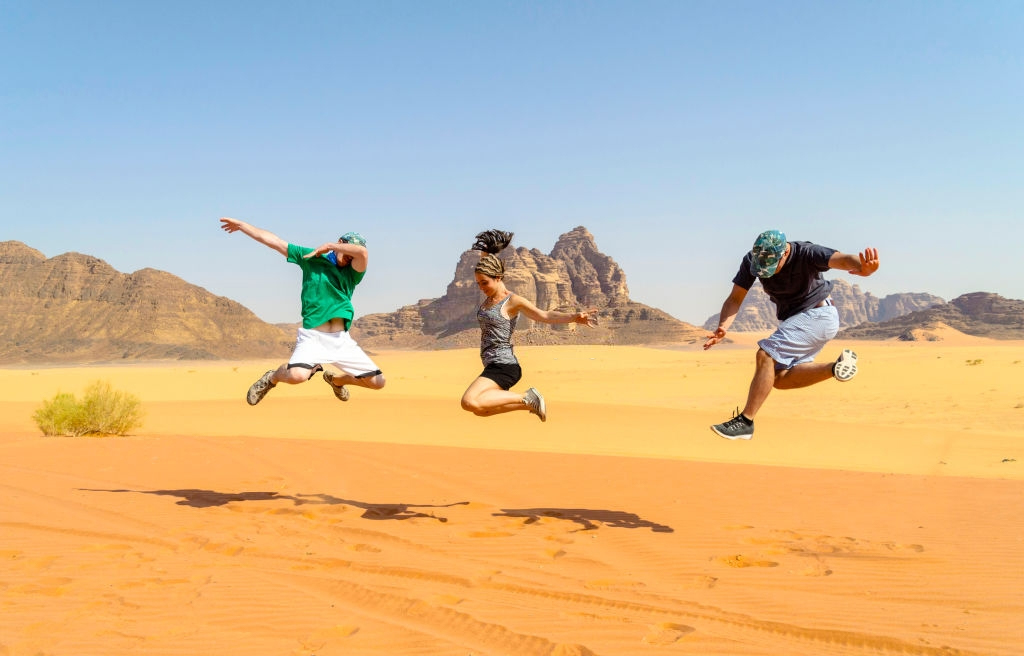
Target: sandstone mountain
575, 275
980, 314
757, 314
76, 308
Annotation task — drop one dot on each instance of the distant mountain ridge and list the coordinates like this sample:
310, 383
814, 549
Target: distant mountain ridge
77, 308
980, 314
575, 275
757, 313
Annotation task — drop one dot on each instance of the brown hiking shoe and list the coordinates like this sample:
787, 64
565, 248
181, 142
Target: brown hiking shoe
339, 390
260, 388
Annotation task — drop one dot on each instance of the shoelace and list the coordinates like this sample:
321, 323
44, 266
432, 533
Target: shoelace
735, 421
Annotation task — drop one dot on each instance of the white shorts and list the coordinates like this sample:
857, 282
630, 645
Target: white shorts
313, 347
801, 337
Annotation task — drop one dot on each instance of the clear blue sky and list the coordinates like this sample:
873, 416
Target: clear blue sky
674, 131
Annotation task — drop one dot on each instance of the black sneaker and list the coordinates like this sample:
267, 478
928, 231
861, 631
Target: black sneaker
736, 428
260, 388
339, 390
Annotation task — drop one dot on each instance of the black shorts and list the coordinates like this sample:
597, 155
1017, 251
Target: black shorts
506, 375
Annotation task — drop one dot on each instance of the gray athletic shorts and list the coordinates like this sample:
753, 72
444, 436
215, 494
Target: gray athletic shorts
801, 337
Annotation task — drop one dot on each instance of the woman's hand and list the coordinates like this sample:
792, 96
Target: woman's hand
587, 317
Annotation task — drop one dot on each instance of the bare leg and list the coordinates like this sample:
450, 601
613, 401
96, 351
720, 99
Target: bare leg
369, 382
761, 385
803, 375
292, 376
484, 398
766, 378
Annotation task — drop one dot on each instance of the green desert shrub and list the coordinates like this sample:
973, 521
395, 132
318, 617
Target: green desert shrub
102, 411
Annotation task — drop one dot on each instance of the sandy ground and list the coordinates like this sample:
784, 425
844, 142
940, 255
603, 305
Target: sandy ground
880, 516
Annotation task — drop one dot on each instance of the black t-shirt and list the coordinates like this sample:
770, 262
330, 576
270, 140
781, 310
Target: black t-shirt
798, 285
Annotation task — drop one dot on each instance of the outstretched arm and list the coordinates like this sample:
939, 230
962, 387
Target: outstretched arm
262, 236
727, 315
519, 304
863, 264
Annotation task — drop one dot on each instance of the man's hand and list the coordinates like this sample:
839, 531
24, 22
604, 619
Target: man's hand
714, 338
321, 250
868, 262
230, 225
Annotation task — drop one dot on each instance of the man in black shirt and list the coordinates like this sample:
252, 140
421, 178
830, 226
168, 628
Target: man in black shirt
791, 274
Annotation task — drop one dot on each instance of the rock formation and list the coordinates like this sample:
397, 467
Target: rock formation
980, 314
575, 275
76, 308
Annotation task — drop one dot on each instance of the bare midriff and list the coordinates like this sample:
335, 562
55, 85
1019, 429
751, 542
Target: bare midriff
335, 325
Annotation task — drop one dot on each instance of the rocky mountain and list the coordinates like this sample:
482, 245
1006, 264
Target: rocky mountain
573, 276
980, 314
76, 308
757, 314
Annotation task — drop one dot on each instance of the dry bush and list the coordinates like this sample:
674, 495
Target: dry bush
102, 411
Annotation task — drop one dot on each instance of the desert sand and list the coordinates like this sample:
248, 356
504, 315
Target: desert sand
880, 516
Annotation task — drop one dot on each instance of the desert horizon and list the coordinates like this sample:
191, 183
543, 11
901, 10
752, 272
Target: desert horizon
877, 516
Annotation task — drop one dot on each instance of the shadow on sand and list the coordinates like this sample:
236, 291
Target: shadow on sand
588, 520
195, 498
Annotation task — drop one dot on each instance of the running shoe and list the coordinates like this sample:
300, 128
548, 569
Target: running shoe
260, 388
736, 428
536, 403
845, 367
339, 390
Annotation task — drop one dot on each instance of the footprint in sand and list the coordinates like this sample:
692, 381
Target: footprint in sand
739, 560
667, 633
321, 637
488, 534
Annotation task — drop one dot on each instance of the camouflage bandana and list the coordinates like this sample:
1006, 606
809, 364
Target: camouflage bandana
353, 238
766, 253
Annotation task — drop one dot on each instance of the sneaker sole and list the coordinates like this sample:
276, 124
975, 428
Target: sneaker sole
731, 437
846, 369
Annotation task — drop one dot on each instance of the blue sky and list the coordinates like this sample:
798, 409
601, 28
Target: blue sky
674, 131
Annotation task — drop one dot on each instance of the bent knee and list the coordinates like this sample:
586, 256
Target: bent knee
293, 376
470, 405
377, 382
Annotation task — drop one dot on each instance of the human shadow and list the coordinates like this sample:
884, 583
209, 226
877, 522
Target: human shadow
588, 519
379, 511
196, 498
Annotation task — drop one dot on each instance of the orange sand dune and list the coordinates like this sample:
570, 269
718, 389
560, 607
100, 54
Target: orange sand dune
882, 516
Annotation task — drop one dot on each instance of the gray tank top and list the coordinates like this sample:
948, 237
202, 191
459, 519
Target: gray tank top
496, 334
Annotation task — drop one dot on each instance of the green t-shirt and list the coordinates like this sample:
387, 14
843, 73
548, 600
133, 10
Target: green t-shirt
326, 288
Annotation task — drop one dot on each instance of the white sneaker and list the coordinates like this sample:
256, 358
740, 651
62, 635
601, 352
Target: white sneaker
845, 367
533, 399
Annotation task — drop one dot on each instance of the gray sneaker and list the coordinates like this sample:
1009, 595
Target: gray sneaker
260, 388
736, 428
533, 399
339, 390
845, 367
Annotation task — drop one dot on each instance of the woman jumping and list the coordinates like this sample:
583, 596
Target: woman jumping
489, 394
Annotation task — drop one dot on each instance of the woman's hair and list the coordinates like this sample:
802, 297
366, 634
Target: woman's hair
491, 242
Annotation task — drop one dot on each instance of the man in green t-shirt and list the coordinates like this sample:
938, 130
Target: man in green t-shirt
330, 274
